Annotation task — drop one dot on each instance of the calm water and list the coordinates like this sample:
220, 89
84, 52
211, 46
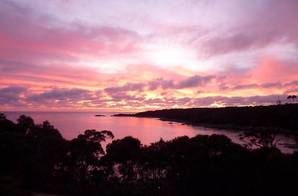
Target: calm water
147, 130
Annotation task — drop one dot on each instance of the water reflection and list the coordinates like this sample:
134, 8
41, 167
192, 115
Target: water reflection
145, 129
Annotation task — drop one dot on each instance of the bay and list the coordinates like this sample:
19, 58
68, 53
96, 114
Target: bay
147, 130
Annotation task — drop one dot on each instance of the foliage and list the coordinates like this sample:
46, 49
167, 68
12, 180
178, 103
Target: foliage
36, 158
281, 117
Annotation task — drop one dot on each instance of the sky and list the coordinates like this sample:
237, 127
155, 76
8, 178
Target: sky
135, 55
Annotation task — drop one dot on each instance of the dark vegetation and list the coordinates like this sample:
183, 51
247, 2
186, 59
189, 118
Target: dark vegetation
36, 158
275, 118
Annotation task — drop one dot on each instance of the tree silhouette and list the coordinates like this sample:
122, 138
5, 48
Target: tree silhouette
292, 98
43, 161
262, 139
82, 157
25, 123
125, 149
2, 116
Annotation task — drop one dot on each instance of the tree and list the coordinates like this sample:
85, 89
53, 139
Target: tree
25, 123
261, 139
125, 149
2, 116
292, 98
6, 125
82, 157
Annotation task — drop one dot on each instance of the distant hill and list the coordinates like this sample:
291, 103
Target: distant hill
271, 118
99, 115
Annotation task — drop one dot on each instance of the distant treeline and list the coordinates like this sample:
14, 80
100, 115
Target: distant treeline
271, 118
36, 158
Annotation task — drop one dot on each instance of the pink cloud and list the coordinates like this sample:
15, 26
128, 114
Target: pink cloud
270, 69
27, 37
273, 21
48, 61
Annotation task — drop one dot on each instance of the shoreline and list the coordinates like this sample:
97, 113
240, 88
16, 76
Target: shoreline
195, 117
222, 126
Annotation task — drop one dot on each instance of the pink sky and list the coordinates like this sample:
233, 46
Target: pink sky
134, 55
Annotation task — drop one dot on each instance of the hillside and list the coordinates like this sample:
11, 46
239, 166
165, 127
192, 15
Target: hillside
274, 117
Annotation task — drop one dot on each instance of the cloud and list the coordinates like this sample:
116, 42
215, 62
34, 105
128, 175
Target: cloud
84, 99
67, 57
190, 82
238, 42
127, 87
292, 91
63, 75
269, 75
237, 100
11, 95
61, 95
32, 37
255, 86
160, 83
194, 81
292, 83
262, 24
271, 69
213, 101
121, 93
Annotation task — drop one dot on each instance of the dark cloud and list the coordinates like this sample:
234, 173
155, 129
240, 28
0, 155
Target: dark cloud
194, 81
125, 88
61, 95
256, 86
11, 95
169, 102
266, 85
244, 86
291, 87
292, 83
237, 101
292, 91
271, 85
237, 42
121, 93
160, 83
121, 96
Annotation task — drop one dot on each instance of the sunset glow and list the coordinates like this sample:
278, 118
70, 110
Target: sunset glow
137, 55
